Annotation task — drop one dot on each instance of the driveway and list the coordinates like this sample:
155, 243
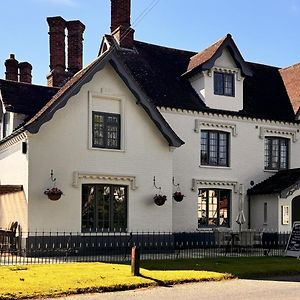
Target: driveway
278, 288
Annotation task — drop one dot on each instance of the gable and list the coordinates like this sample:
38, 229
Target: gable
225, 60
73, 125
206, 59
73, 86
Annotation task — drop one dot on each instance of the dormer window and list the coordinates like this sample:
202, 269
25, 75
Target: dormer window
223, 84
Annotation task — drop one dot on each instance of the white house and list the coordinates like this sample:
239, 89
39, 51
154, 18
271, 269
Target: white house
142, 120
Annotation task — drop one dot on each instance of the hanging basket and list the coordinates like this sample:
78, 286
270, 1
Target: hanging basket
53, 194
160, 199
178, 197
54, 197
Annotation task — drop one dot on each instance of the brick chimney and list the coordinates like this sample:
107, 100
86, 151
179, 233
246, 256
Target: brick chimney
25, 72
11, 65
57, 76
120, 23
75, 46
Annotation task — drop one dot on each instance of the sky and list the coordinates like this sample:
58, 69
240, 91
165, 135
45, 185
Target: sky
265, 31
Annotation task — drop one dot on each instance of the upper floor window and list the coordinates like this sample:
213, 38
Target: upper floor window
223, 84
213, 207
214, 148
276, 153
106, 130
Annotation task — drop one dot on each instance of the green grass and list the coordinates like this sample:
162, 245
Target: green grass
242, 267
17, 282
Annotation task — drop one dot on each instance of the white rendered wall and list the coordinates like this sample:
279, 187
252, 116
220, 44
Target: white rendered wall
203, 84
246, 160
63, 145
257, 212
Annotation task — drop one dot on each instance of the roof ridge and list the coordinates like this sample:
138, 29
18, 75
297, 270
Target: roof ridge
28, 84
165, 47
264, 65
291, 66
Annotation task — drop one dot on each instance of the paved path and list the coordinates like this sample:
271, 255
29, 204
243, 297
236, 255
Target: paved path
282, 288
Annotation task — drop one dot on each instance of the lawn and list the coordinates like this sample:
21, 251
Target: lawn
241, 267
17, 282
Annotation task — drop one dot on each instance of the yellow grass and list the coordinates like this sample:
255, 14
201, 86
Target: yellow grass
17, 282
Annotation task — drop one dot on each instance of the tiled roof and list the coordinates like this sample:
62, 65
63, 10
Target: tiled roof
24, 98
265, 95
276, 183
291, 78
158, 72
203, 56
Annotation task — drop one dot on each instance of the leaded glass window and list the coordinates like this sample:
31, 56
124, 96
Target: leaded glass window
106, 130
214, 148
276, 153
104, 207
223, 84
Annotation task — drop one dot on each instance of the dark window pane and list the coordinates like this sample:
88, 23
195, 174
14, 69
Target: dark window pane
204, 147
228, 85
218, 83
106, 130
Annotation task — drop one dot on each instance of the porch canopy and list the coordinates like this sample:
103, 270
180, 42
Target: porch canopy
284, 183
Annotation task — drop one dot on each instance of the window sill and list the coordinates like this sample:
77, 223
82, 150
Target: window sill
214, 167
230, 96
107, 150
271, 171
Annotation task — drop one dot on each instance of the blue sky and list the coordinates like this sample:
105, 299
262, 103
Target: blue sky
265, 31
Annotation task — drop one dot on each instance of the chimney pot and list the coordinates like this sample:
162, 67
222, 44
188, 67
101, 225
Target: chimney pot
25, 72
11, 65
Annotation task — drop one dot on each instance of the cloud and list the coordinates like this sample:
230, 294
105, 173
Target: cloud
70, 3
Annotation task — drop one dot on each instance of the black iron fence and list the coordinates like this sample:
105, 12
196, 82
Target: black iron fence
60, 247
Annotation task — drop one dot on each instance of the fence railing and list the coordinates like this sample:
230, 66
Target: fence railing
60, 247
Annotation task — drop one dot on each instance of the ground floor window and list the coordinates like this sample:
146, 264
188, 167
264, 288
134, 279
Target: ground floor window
104, 207
213, 207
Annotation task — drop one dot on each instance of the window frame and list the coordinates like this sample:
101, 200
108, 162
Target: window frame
218, 192
220, 87
105, 145
96, 205
268, 153
208, 148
